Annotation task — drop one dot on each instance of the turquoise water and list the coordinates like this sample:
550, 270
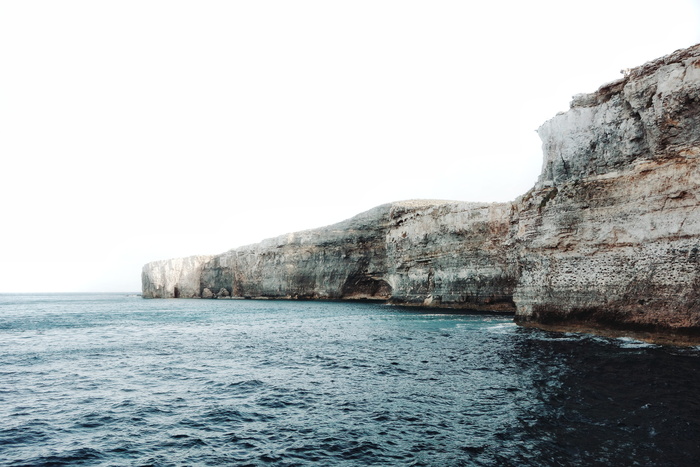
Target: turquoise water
118, 380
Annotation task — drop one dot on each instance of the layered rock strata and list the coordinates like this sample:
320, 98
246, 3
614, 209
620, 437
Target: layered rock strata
451, 254
174, 278
609, 235
343, 261
410, 252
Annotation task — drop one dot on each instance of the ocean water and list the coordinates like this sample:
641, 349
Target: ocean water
101, 379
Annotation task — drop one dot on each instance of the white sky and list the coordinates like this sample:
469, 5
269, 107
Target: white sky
132, 131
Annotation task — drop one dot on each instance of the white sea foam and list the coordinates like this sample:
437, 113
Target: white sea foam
502, 328
631, 343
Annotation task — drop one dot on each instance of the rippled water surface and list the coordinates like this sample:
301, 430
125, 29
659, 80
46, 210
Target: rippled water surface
118, 380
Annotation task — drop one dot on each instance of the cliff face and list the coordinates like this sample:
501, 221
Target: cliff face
432, 253
342, 261
609, 235
451, 254
173, 278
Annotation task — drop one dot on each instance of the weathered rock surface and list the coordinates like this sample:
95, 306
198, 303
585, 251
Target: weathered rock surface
173, 278
451, 254
609, 235
345, 260
410, 252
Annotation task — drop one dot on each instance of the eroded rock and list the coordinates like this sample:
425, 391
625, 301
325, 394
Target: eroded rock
609, 235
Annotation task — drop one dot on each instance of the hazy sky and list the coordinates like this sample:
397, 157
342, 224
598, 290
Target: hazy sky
132, 131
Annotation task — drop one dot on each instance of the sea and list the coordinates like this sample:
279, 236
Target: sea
114, 379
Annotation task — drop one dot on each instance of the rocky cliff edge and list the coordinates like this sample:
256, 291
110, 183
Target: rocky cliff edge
608, 237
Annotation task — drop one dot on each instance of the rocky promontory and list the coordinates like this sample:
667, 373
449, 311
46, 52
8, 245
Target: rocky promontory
410, 252
608, 237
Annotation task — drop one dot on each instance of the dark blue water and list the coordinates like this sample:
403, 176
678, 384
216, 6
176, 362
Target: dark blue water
118, 380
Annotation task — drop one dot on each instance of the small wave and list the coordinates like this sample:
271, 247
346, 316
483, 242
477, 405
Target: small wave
94, 421
631, 343
76, 456
226, 416
22, 435
502, 328
280, 400
247, 385
182, 440
551, 336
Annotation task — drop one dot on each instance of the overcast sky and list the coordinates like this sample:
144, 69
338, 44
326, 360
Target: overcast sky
133, 131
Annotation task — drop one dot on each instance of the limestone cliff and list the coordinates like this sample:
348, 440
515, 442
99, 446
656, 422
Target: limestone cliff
345, 260
451, 254
411, 252
173, 278
609, 235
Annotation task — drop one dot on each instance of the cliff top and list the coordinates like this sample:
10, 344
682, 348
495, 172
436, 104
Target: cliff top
607, 90
371, 219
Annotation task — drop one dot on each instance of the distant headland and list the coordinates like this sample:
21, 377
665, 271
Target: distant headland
607, 239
